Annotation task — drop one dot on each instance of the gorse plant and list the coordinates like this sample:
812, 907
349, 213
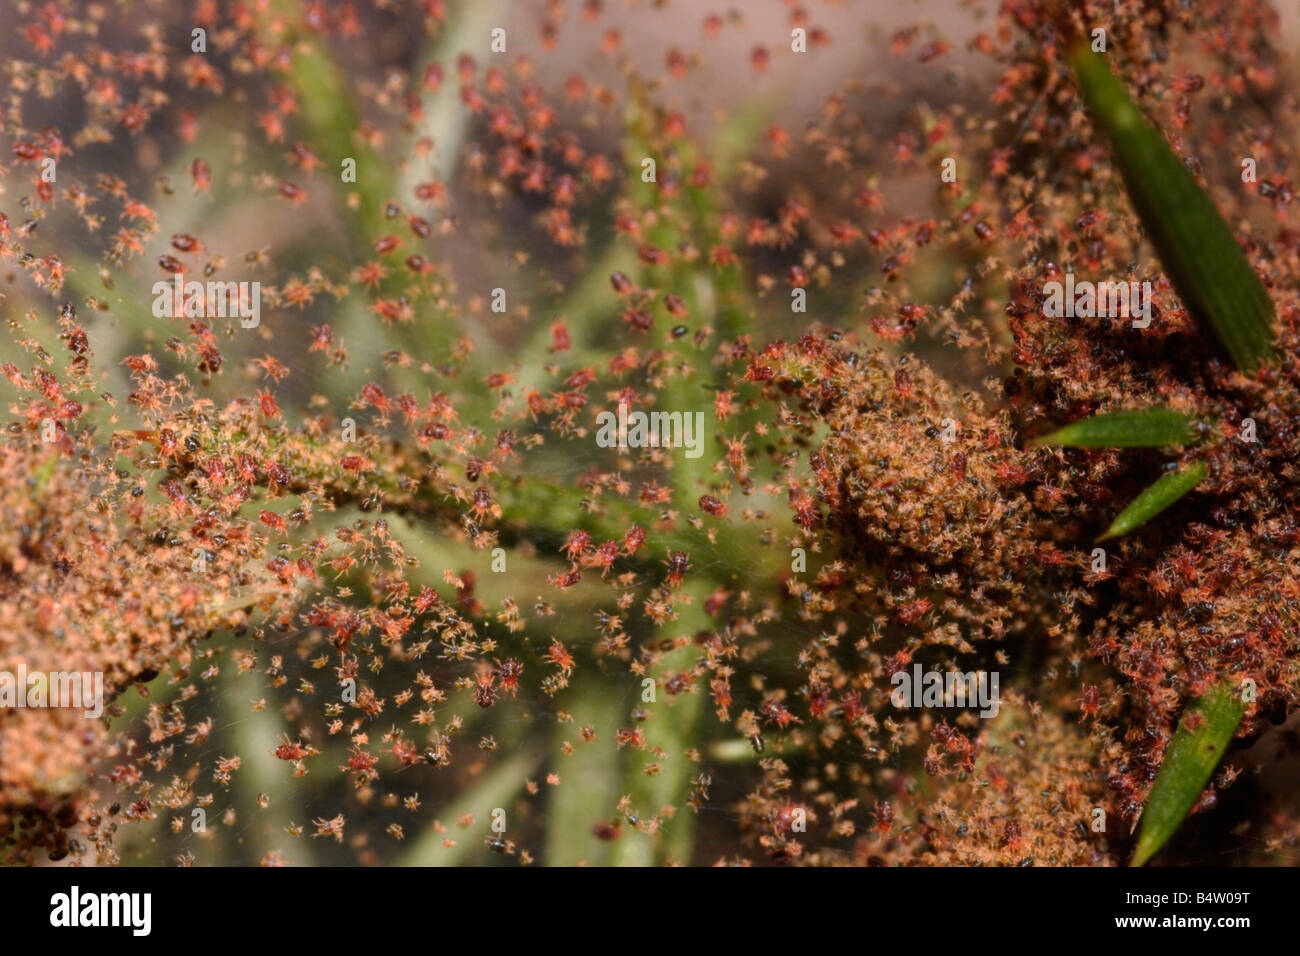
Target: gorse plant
1205, 264
1211, 274
344, 530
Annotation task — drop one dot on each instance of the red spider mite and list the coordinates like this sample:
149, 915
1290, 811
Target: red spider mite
293, 193
711, 505
633, 539
359, 761
678, 562
288, 750
485, 688
510, 672
577, 543
566, 579
560, 657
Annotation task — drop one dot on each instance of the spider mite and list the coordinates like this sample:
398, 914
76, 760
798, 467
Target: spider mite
485, 688
677, 563
510, 672
288, 750
201, 173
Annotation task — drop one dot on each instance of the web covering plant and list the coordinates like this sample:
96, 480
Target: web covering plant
362, 572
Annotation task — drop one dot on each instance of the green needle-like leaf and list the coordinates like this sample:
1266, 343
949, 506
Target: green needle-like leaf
1132, 428
1197, 249
1160, 495
1189, 761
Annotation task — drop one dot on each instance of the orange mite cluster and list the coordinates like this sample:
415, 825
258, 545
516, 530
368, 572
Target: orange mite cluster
357, 561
